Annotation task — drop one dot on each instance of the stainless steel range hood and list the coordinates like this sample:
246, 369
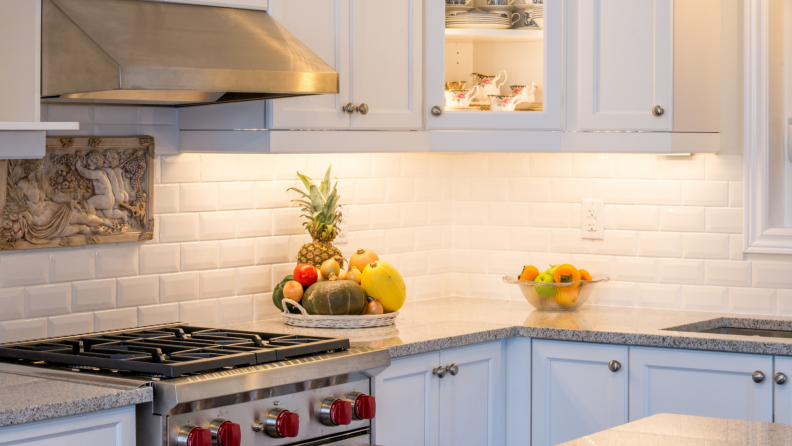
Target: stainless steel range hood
141, 52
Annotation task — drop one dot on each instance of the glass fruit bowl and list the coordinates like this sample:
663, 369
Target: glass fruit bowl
556, 296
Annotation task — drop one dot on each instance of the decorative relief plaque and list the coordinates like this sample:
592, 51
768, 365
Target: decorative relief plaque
85, 190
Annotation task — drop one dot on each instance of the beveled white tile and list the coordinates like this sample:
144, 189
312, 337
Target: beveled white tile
70, 113
166, 136
772, 274
413, 264
12, 304
633, 269
271, 194
370, 191
254, 167
617, 294
70, 324
597, 266
428, 237
414, 214
167, 201
654, 295
593, 165
115, 115
255, 223
345, 190
385, 216
503, 165
724, 220
439, 261
681, 219
616, 191
219, 167
373, 240
116, 261
200, 313
217, 225
644, 218
619, 243
157, 259
752, 301
705, 246
705, 298
72, 264
529, 239
570, 190
178, 287
667, 193
724, 167
727, 273
529, 189
23, 330
400, 240
158, 314
93, 295
47, 300
705, 193
233, 196
418, 165
441, 213
736, 247
355, 165
24, 269
264, 308
507, 214
461, 189
736, 194
487, 286
576, 218
543, 261
178, 228
471, 165
428, 189
386, 165
198, 197
637, 166
136, 291
548, 215
357, 218
271, 250
200, 255
441, 165
784, 306
460, 236
552, 165
317, 164
157, 115
686, 272
254, 279
114, 130
569, 241
469, 261
235, 310
483, 237
287, 222
426, 287
216, 283
659, 244
181, 169
469, 213
682, 167
486, 189
234, 253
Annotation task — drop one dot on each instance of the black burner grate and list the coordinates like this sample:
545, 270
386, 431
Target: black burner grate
171, 351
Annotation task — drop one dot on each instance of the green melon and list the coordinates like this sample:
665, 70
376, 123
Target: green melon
335, 297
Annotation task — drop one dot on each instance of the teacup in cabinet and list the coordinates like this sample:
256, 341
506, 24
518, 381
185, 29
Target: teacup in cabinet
488, 84
460, 97
504, 102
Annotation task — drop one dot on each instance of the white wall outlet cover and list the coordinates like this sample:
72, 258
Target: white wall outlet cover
343, 235
593, 218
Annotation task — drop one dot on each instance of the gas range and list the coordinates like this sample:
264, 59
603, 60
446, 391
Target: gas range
222, 387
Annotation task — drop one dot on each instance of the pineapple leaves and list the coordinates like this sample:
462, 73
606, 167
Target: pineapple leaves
326, 182
319, 206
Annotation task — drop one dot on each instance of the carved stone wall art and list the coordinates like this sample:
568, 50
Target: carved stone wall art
84, 191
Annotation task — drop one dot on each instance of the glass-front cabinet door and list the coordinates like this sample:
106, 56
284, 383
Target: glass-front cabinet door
493, 64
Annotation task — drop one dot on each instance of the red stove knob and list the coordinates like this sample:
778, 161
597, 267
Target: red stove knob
282, 424
336, 412
364, 407
225, 433
192, 435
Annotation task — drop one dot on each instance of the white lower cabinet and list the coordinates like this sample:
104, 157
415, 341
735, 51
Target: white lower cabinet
415, 407
782, 392
578, 389
115, 427
708, 384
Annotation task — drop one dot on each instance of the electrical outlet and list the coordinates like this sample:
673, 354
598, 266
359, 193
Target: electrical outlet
593, 227
343, 235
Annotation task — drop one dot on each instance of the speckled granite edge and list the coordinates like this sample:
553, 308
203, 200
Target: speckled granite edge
76, 407
432, 345
733, 322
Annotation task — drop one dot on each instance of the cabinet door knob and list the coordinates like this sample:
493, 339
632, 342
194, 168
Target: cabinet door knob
453, 369
658, 110
614, 366
363, 109
780, 378
757, 376
349, 108
439, 372
437, 111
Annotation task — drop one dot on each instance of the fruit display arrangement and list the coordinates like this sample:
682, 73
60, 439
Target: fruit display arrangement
560, 287
324, 283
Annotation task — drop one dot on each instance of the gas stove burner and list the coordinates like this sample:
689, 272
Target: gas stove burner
169, 351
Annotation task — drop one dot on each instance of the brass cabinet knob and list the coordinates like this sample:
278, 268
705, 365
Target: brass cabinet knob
349, 108
363, 109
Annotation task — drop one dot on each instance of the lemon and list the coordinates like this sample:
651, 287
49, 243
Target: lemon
382, 281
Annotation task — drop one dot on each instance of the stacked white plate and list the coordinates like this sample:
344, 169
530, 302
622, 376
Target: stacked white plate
477, 20
538, 11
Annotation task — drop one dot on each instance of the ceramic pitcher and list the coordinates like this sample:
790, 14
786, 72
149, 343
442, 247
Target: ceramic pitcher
460, 97
488, 84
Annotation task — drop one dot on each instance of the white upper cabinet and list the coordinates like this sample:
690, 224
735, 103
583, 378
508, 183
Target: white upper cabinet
241, 4
707, 384
377, 50
625, 64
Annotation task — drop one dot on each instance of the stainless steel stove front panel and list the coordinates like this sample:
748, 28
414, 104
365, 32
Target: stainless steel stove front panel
305, 403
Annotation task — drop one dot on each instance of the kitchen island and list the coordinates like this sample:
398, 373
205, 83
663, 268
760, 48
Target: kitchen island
678, 430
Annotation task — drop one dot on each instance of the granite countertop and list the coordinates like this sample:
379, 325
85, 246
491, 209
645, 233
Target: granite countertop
26, 398
684, 430
437, 324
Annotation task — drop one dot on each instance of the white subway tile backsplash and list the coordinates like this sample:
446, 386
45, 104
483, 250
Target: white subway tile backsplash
529, 239
634, 269
441, 166
234, 253
644, 218
637, 166
400, 190
200, 313
271, 250
386, 165
24, 269
167, 198
137, 291
550, 165
570, 190
723, 167
529, 189
593, 165
414, 214
400, 240
385, 216
507, 262
653, 295
469, 213
597, 266
724, 220
12, 304
216, 283
287, 222
666, 193
471, 165
507, 214
115, 115
681, 219
23, 329
216, 167
218, 225
616, 191
736, 194
428, 189
232, 196
115, 319
114, 130
483, 237
705, 193
569, 241
439, 261
659, 244
682, 167
235, 310
181, 169
548, 215
485, 189
47, 300
413, 264
752, 301
158, 314
373, 240
255, 223
736, 247
271, 194
157, 259
618, 243
178, 287
179, 228
619, 294
415, 165
70, 324
705, 298
772, 274
166, 137
686, 272
441, 213
70, 265
489, 286
508, 164
254, 280
370, 191
93, 295
157, 115
784, 306
264, 308
727, 273
69, 113
116, 261
705, 246
200, 255
429, 237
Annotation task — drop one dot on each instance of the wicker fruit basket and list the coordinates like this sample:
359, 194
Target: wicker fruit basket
313, 321
556, 296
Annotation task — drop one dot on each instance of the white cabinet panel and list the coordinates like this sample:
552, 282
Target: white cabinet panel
387, 63
625, 64
709, 384
407, 402
472, 403
114, 427
323, 26
782, 393
574, 391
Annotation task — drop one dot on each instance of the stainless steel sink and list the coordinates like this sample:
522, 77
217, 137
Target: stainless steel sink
766, 328
749, 332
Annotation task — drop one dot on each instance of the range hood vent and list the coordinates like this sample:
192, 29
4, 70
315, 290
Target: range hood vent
142, 52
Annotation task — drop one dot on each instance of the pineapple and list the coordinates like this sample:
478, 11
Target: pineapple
320, 207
